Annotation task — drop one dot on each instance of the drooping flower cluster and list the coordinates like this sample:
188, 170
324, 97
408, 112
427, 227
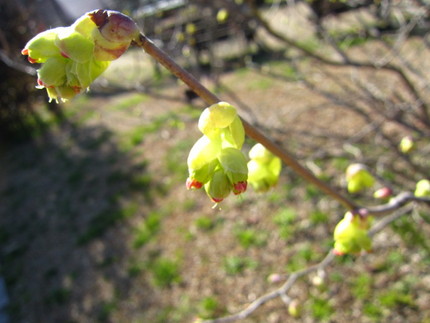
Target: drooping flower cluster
358, 178
422, 188
264, 168
351, 234
73, 57
216, 161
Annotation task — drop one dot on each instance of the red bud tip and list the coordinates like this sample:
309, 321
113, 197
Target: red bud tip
216, 200
32, 60
240, 187
64, 55
24, 51
193, 184
338, 253
77, 89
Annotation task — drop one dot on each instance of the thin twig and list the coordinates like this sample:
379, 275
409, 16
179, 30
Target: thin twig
350, 63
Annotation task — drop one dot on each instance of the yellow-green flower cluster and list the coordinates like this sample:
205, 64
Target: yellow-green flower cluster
73, 57
358, 178
351, 234
216, 161
264, 168
422, 188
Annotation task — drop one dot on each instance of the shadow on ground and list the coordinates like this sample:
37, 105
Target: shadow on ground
62, 256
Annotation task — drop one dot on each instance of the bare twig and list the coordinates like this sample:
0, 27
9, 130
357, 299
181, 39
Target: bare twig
422, 105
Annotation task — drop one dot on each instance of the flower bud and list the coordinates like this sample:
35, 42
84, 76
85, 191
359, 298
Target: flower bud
422, 188
222, 15
264, 168
235, 167
358, 178
351, 234
406, 144
259, 153
383, 193
275, 278
219, 187
217, 116
294, 308
114, 34
84, 25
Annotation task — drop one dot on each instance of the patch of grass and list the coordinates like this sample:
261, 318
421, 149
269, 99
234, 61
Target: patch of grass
235, 265
178, 152
259, 83
106, 310
362, 286
319, 217
285, 69
312, 192
189, 205
106, 219
373, 311
140, 183
393, 298
165, 272
352, 41
250, 237
285, 216
301, 258
320, 308
341, 163
285, 219
310, 44
411, 234
205, 223
130, 101
208, 307
135, 268
147, 230
58, 296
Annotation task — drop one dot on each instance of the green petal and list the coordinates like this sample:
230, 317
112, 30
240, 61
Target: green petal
84, 25
219, 115
42, 46
53, 72
203, 152
74, 45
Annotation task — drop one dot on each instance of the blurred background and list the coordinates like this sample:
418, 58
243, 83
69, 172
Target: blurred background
96, 224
